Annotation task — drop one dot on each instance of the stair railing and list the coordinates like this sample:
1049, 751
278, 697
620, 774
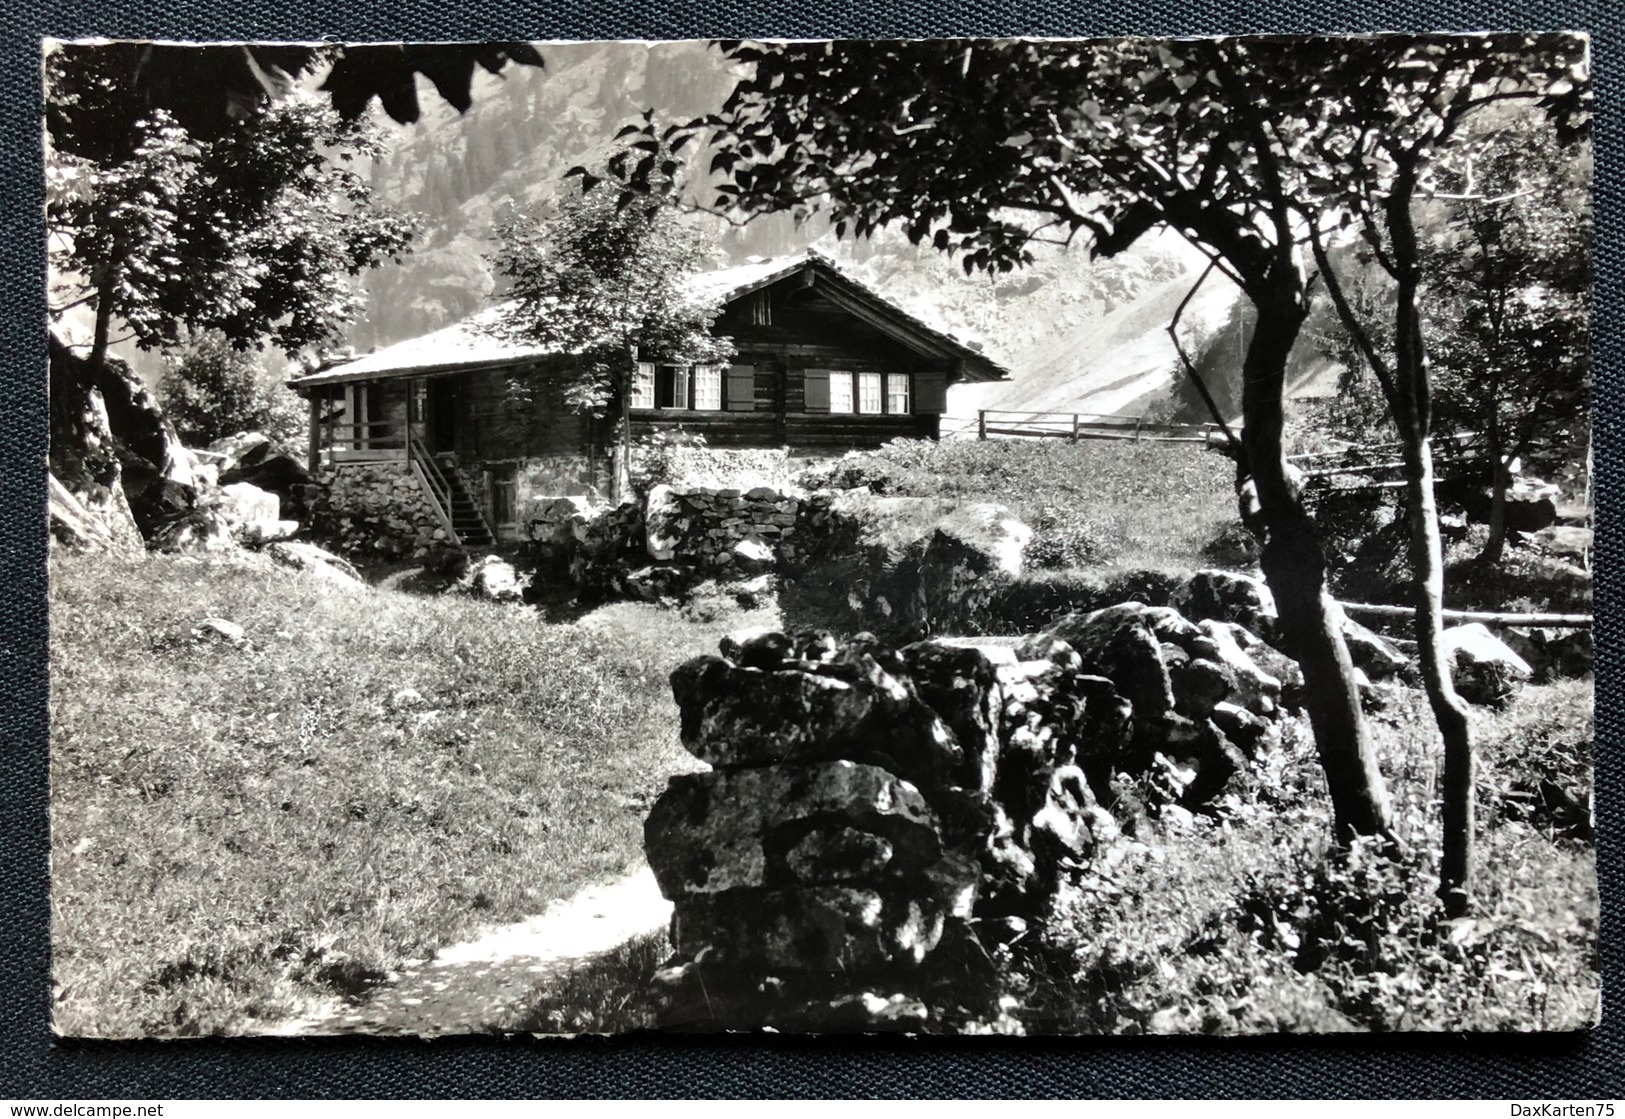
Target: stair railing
442, 483
433, 481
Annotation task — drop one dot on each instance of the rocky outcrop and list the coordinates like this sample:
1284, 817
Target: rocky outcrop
111, 448
252, 457
82, 528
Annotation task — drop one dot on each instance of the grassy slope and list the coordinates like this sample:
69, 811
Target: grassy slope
238, 831
1131, 504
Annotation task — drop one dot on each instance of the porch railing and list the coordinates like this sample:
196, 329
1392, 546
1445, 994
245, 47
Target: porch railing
341, 440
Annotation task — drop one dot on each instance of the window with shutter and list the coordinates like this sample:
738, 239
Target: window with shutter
840, 391
643, 386
816, 382
741, 388
869, 399
897, 393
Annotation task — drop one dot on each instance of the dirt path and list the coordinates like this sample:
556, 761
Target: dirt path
484, 983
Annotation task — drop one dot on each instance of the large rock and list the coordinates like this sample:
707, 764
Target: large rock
822, 824
1371, 652
1485, 670
1227, 596
252, 457
664, 523
961, 685
969, 556
494, 579
255, 515
846, 930
314, 561
1255, 689
1119, 644
733, 716
111, 447
75, 526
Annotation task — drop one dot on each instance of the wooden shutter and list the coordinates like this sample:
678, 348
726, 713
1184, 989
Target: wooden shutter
741, 388
931, 392
817, 389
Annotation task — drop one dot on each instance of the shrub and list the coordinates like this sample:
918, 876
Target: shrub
214, 389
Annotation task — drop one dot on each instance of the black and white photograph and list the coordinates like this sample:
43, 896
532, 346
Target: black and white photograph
1012, 537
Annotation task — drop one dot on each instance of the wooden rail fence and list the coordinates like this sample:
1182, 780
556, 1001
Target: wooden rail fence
1075, 426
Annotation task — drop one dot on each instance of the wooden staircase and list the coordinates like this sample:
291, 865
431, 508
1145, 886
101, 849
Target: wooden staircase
458, 509
467, 521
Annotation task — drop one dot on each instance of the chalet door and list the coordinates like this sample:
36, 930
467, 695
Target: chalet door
441, 415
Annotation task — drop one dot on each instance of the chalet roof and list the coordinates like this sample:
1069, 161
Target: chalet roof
473, 343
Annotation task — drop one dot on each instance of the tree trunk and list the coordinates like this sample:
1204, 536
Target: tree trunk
1413, 416
1449, 712
1496, 544
620, 489
1295, 568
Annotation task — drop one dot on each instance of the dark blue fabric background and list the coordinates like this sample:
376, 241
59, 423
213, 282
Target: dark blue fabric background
34, 1064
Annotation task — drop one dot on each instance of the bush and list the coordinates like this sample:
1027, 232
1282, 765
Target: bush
214, 390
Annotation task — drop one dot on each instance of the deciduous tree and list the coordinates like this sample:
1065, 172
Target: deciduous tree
982, 148
605, 278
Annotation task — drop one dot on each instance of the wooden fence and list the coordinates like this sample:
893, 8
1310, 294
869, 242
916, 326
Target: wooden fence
1074, 426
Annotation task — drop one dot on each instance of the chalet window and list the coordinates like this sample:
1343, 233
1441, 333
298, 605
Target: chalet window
897, 393
840, 391
643, 386
672, 387
869, 399
708, 388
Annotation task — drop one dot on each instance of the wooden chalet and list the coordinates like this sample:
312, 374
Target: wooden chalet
821, 362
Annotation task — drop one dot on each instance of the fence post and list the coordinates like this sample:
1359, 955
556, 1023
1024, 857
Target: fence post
981, 423
1074, 427
1138, 420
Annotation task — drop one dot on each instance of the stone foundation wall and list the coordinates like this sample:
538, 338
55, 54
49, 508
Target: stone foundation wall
676, 538
377, 508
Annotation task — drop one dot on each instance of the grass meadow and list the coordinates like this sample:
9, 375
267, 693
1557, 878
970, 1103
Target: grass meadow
238, 831
1096, 504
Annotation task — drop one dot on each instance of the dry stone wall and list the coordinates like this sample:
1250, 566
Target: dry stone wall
879, 820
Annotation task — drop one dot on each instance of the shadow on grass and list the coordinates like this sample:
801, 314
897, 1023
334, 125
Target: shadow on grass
609, 994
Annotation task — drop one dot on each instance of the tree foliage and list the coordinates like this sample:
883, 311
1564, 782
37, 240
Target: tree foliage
1506, 304
206, 89
606, 275
606, 278
256, 234
214, 389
